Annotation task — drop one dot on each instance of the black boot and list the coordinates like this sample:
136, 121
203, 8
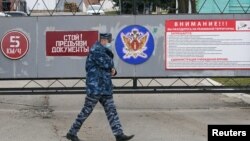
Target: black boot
123, 137
72, 137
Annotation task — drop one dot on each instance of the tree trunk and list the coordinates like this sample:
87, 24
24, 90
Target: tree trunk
193, 6
183, 6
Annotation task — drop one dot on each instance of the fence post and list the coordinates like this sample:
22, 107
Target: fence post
134, 82
134, 7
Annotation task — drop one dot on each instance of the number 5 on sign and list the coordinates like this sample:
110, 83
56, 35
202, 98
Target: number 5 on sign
14, 41
14, 45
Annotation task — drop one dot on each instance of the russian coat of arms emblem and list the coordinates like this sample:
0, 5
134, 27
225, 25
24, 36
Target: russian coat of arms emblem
134, 44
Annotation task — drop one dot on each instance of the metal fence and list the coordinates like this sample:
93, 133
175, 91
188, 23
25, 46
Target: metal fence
136, 80
37, 73
120, 7
128, 85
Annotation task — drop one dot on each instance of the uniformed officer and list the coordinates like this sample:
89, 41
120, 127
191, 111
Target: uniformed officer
100, 69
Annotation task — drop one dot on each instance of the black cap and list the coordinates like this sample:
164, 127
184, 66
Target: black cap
106, 36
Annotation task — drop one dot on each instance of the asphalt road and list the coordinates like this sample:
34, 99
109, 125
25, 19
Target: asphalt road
155, 117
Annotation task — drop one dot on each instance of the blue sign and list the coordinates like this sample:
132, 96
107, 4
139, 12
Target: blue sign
134, 44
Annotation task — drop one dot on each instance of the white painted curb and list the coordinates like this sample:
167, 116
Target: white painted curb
242, 96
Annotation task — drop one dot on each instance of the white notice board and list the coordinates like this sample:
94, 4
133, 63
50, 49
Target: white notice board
208, 44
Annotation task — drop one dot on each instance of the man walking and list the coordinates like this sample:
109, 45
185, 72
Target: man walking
100, 69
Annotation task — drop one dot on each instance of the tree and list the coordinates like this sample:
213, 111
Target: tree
183, 6
193, 6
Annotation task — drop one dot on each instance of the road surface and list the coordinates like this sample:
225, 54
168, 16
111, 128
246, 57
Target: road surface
151, 117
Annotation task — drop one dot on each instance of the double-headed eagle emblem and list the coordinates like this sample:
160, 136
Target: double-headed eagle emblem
134, 44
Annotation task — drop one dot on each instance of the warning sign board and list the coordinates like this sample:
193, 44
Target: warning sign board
70, 43
207, 44
14, 45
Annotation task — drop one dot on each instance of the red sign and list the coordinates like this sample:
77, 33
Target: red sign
70, 43
14, 45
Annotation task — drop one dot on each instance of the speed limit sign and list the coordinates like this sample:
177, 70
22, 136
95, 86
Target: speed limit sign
14, 45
